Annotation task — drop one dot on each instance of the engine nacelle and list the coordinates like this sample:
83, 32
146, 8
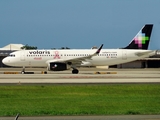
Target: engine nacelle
57, 66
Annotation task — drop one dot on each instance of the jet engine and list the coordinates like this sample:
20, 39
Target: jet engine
57, 66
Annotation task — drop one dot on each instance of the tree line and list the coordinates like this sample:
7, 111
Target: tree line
28, 47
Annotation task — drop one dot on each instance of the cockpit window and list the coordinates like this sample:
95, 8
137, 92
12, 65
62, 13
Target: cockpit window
11, 55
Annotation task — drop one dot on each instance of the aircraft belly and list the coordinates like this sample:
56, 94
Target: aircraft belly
30, 63
37, 63
84, 63
100, 62
111, 61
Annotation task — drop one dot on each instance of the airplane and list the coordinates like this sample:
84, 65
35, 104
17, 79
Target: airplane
59, 60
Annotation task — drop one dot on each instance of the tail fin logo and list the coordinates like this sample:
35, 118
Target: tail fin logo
140, 39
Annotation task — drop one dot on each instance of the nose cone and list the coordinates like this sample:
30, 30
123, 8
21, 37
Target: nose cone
5, 61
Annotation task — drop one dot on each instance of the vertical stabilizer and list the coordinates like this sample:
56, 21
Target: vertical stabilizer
142, 39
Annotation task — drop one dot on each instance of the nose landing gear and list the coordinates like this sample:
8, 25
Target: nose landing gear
23, 70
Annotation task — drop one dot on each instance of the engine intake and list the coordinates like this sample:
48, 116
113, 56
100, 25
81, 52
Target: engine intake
57, 66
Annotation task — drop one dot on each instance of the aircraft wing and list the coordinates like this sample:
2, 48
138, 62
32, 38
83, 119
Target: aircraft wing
145, 53
77, 60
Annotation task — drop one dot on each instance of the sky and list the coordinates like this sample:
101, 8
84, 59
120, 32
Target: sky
77, 24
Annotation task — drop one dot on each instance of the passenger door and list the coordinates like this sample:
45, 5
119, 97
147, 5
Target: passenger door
22, 55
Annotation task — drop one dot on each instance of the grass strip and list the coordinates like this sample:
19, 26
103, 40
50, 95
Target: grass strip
106, 99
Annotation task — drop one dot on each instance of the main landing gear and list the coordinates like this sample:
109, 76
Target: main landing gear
75, 71
23, 70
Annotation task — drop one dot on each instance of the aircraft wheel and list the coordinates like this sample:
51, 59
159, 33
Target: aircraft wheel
23, 72
45, 72
75, 71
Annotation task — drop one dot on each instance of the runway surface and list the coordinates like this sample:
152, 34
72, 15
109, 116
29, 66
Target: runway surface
117, 117
86, 76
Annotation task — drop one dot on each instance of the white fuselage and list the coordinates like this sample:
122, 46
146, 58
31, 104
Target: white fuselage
40, 58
